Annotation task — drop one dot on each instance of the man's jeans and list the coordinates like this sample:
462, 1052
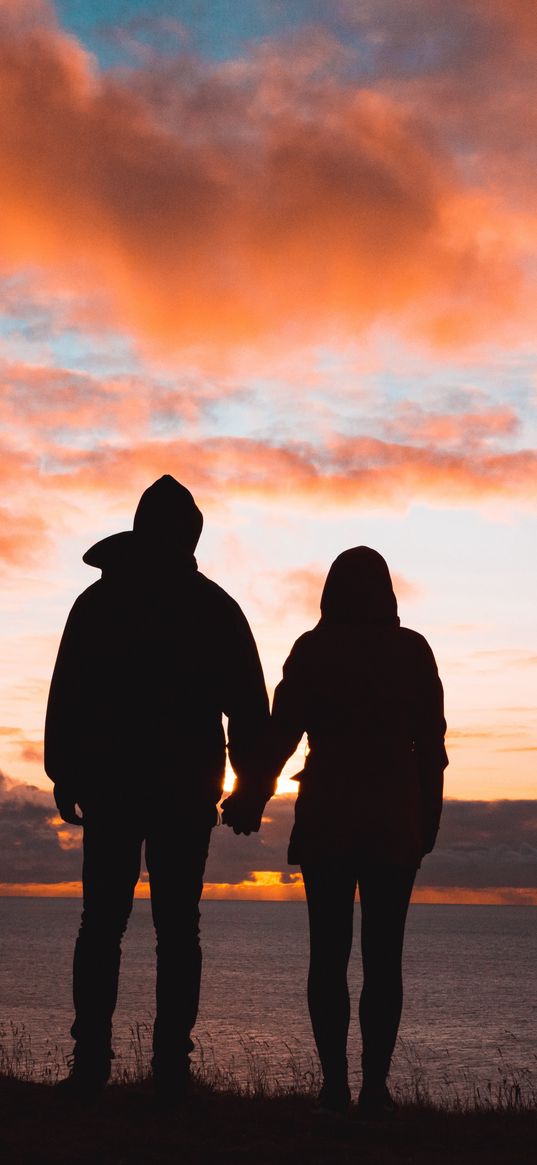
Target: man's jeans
175, 856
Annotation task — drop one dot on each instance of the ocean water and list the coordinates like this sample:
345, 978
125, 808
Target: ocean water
469, 1019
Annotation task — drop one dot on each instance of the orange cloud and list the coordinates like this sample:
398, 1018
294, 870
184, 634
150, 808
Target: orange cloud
363, 472
411, 422
200, 204
22, 536
33, 753
360, 471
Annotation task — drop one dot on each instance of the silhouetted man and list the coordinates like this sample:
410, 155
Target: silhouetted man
152, 655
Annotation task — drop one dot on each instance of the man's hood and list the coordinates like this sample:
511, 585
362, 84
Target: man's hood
166, 514
112, 553
167, 525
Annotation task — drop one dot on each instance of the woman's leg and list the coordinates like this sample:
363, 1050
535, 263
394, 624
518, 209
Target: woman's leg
384, 894
330, 890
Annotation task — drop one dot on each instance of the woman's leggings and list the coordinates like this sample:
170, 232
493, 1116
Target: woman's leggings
384, 895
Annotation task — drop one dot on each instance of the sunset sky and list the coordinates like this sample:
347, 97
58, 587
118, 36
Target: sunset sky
285, 251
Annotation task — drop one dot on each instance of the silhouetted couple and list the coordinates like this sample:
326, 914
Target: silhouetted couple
152, 656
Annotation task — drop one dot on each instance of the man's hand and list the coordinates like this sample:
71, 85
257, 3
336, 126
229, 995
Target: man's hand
67, 808
243, 812
429, 841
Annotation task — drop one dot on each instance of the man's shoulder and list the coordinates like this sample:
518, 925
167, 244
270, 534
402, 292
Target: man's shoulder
216, 597
89, 597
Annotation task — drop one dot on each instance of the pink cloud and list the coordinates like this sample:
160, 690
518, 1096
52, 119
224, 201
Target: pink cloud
300, 591
38, 398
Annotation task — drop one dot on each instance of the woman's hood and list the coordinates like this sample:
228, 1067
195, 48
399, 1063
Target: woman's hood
358, 589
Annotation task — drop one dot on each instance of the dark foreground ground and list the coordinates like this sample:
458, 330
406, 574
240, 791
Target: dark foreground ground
218, 1127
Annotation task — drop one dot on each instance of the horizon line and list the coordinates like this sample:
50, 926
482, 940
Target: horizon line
293, 892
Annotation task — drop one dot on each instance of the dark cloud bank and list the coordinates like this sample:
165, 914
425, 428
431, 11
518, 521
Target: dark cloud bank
481, 843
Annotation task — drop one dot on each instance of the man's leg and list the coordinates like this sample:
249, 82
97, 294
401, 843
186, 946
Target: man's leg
176, 866
110, 871
384, 894
330, 890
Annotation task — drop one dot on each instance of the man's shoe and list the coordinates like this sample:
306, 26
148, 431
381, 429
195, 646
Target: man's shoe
376, 1102
86, 1081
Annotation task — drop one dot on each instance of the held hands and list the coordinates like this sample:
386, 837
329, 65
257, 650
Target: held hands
243, 812
66, 806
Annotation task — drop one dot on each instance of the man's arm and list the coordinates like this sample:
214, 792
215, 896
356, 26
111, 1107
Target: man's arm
247, 709
67, 693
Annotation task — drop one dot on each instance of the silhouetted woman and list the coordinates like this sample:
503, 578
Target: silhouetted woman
367, 693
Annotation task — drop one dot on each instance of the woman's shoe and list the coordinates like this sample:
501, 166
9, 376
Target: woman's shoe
376, 1102
171, 1082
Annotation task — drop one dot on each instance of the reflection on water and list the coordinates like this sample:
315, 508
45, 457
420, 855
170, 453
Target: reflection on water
470, 1009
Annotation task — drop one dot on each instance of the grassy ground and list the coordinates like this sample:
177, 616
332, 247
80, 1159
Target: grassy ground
227, 1128
258, 1121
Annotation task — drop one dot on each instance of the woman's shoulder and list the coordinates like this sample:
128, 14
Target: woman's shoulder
304, 644
303, 649
415, 643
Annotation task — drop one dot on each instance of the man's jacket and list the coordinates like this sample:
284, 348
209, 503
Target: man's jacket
153, 654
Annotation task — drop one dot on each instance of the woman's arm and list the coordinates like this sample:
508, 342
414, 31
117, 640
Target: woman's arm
429, 742
288, 720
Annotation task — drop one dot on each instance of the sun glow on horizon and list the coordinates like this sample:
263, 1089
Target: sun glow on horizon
268, 886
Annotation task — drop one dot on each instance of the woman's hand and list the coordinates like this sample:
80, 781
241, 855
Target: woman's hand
243, 812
